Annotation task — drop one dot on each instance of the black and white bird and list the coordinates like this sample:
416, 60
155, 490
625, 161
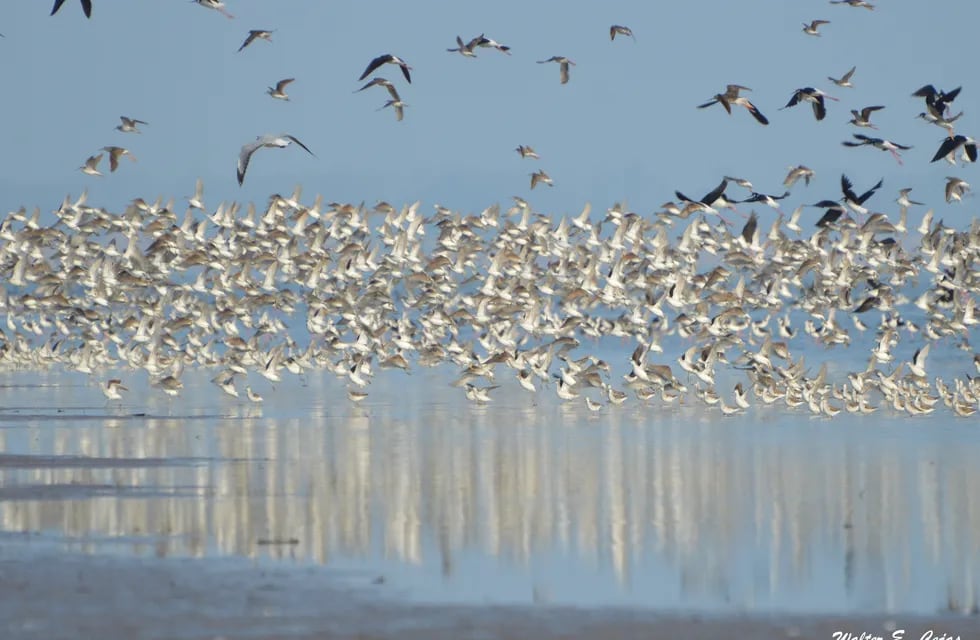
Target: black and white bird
712, 201
815, 97
937, 101
256, 34
86, 7
949, 146
563, 63
387, 58
488, 43
217, 5
877, 143
730, 97
766, 199
277, 141
851, 199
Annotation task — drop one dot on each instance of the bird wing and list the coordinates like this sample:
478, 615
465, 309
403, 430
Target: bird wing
847, 188
794, 100
245, 155
87, 8
305, 148
252, 35
564, 72
948, 146
57, 5
282, 84
819, 109
870, 192
405, 72
761, 119
708, 103
847, 76
715, 193
971, 151
374, 64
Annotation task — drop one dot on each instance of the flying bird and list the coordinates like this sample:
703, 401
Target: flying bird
857, 4
796, 173
527, 152
814, 96
950, 145
279, 141
956, 188
86, 7
853, 200
541, 177
279, 91
862, 118
388, 59
382, 82
488, 43
936, 101
811, 28
621, 30
465, 49
128, 125
844, 80
91, 166
877, 143
217, 5
255, 34
114, 154
398, 106
730, 97
563, 63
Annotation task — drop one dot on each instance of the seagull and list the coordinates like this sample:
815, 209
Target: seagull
730, 97
814, 97
621, 30
877, 143
217, 5
563, 62
844, 80
542, 177
527, 152
950, 145
488, 43
398, 106
382, 82
465, 49
279, 91
956, 188
254, 34
862, 118
86, 7
114, 154
281, 141
91, 166
811, 29
388, 59
851, 199
855, 3
129, 125
797, 172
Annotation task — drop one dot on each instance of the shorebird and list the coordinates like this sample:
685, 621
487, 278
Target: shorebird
811, 28
217, 5
279, 91
465, 49
382, 82
730, 97
950, 145
956, 188
91, 166
541, 177
398, 106
857, 4
197, 200
797, 172
946, 122
387, 58
903, 198
814, 96
877, 143
527, 152
862, 118
86, 7
712, 201
766, 199
488, 43
112, 389
114, 154
844, 80
621, 30
253, 396
936, 101
851, 199
563, 64
254, 34
128, 125
280, 141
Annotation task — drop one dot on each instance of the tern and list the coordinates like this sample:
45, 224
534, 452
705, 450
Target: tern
382, 82
730, 97
254, 34
877, 143
950, 145
563, 62
128, 125
279, 91
814, 96
621, 30
91, 166
844, 80
217, 5
862, 118
387, 58
811, 28
86, 7
279, 141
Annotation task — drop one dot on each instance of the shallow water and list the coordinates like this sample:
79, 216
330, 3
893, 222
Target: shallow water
525, 499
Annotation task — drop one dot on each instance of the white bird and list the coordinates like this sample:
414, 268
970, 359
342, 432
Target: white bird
280, 141
279, 91
91, 166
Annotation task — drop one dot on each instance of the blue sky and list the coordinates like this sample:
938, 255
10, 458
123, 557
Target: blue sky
624, 128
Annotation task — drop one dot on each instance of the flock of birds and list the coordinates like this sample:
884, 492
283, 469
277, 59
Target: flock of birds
511, 290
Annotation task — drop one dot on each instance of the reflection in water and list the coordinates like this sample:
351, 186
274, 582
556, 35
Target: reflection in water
657, 508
